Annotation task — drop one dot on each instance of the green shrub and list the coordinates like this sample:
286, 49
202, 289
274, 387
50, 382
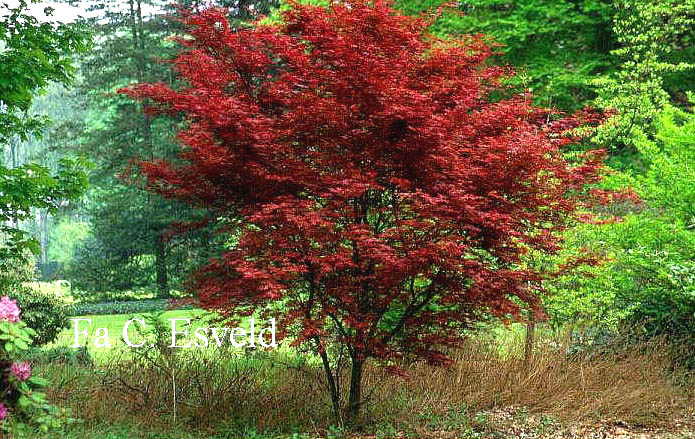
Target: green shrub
45, 313
61, 355
645, 275
133, 294
15, 270
120, 307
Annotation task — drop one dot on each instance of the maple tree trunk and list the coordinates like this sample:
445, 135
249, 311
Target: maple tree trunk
332, 387
355, 398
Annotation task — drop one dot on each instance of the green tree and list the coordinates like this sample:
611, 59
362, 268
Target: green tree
647, 279
47, 147
558, 45
130, 245
656, 57
128, 224
32, 55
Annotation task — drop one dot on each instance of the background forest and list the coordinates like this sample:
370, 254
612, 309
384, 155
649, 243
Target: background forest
607, 347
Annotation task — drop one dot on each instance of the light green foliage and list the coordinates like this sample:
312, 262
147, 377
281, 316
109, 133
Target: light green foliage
13, 269
670, 180
32, 54
58, 288
558, 46
648, 275
655, 43
643, 257
21, 190
65, 238
646, 278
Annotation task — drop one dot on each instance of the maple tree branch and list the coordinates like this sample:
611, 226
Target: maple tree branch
330, 378
342, 332
412, 310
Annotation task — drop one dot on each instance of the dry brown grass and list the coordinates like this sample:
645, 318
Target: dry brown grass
635, 385
193, 389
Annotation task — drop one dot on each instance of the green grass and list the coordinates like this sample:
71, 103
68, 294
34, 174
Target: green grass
114, 324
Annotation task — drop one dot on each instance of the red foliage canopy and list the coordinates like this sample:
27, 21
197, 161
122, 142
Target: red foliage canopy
388, 183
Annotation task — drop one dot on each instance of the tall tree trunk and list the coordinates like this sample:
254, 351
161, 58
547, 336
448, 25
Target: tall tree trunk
13, 156
134, 32
530, 335
161, 264
13, 153
139, 46
138, 34
355, 398
43, 218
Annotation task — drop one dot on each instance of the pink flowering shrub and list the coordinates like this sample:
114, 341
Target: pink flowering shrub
21, 371
9, 310
23, 407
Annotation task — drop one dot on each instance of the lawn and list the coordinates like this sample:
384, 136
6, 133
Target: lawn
99, 328
114, 324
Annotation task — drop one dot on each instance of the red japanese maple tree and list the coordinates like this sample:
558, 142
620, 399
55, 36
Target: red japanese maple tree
387, 181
